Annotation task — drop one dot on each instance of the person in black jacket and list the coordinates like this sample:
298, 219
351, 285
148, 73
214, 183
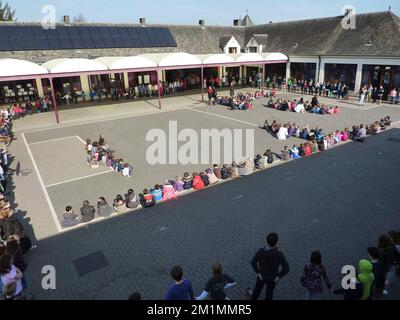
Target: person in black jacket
271, 265
386, 251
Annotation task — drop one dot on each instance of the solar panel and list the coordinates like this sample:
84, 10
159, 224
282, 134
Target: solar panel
19, 38
169, 40
107, 38
86, 38
135, 38
53, 39
40, 38
116, 37
4, 42
144, 37
75, 37
65, 40
96, 36
126, 38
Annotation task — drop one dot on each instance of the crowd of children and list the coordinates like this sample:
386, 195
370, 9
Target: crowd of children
299, 106
242, 101
283, 132
100, 153
14, 241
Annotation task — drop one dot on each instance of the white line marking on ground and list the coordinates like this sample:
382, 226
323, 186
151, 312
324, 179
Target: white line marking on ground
80, 178
106, 120
80, 139
51, 140
217, 115
46, 194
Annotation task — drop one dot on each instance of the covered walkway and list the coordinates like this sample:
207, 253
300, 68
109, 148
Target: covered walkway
18, 70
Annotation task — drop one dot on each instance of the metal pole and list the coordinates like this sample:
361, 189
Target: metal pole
54, 100
159, 89
263, 79
202, 84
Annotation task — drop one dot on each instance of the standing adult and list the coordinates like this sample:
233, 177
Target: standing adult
270, 265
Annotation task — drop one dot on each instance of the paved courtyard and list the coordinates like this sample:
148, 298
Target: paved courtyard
225, 223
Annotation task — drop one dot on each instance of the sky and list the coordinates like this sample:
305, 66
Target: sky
215, 12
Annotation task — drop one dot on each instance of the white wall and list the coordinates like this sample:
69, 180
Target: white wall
232, 44
360, 62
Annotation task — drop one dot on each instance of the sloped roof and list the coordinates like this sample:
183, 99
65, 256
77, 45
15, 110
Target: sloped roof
224, 41
326, 36
205, 40
261, 39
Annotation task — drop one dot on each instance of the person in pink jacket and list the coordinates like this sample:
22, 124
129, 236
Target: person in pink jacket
168, 191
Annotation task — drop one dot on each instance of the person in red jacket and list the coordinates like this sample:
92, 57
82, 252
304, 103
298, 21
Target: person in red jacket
198, 183
307, 149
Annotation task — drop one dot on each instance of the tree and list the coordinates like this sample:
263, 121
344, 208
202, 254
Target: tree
80, 18
6, 13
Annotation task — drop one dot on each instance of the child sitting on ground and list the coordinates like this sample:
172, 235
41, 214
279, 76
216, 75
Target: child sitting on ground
285, 154
126, 171
88, 145
294, 152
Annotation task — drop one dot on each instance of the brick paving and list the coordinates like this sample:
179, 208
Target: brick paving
195, 231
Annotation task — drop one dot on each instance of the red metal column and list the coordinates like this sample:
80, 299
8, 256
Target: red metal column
263, 79
53, 95
159, 89
202, 84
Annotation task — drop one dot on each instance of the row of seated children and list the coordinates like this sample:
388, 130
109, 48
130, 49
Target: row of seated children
318, 141
301, 107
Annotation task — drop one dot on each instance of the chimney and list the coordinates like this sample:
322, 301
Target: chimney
142, 21
237, 22
66, 19
202, 23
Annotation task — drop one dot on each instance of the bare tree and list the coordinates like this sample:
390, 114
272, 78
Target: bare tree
6, 13
80, 18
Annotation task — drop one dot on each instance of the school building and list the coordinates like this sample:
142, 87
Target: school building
72, 58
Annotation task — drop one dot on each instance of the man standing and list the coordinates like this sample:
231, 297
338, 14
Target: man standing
271, 265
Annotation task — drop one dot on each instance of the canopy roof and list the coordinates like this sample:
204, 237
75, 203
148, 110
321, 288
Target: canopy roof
73, 65
14, 67
10, 68
173, 59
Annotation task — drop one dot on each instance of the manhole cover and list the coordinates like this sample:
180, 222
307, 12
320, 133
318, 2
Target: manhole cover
90, 263
394, 140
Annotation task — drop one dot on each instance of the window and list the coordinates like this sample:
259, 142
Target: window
232, 50
253, 49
